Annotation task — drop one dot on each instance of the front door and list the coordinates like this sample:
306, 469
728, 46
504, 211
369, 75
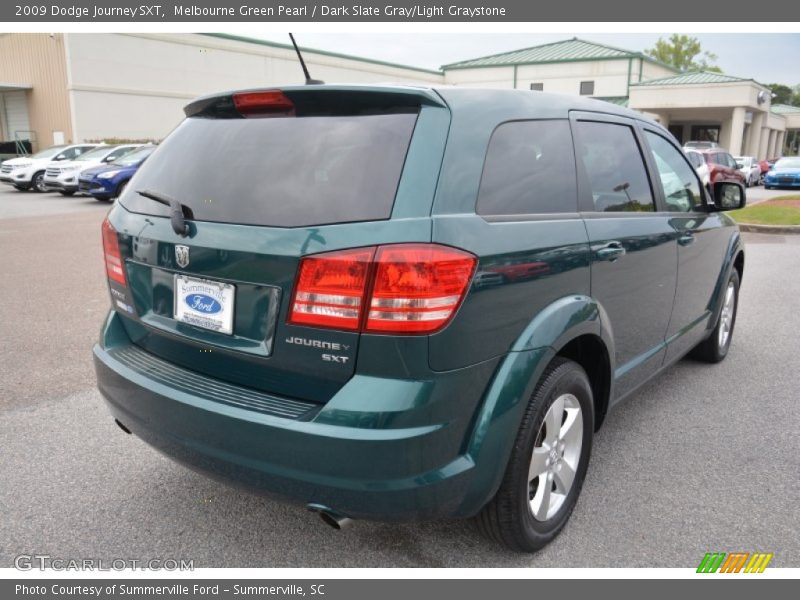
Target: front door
633, 246
702, 242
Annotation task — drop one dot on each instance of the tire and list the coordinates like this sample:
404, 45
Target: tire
37, 182
715, 347
517, 516
21, 188
121, 189
66, 192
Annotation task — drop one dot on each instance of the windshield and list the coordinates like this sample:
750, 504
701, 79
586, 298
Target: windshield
788, 163
283, 172
134, 157
49, 153
96, 154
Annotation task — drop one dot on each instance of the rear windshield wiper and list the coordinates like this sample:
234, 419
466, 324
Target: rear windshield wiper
176, 210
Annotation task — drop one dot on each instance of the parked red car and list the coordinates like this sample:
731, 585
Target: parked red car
721, 166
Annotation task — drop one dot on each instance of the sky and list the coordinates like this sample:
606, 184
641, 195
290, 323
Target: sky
767, 58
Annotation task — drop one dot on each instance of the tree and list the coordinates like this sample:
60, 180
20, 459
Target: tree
781, 94
684, 53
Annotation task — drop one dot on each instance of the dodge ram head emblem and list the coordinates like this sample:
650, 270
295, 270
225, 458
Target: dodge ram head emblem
182, 255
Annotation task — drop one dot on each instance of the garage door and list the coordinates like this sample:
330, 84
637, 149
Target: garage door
14, 115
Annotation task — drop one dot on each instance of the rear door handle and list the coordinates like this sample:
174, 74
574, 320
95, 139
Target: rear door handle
610, 252
686, 239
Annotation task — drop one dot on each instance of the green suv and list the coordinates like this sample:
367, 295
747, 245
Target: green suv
401, 303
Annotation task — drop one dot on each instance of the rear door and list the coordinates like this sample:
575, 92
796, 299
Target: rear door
260, 193
633, 273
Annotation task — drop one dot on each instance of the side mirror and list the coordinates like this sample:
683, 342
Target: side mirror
60, 157
729, 196
109, 159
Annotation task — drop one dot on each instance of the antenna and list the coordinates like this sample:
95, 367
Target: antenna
309, 81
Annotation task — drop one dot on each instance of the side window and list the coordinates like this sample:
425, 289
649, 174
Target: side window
731, 162
529, 169
681, 188
615, 167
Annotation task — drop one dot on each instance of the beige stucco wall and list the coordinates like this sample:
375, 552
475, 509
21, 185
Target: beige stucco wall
610, 76
135, 85
38, 60
657, 97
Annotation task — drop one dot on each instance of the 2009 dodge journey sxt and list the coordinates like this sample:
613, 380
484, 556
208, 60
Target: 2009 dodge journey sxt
408, 303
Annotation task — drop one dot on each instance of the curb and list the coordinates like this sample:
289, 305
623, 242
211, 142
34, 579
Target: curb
777, 229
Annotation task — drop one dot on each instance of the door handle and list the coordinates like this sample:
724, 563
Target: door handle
686, 239
610, 252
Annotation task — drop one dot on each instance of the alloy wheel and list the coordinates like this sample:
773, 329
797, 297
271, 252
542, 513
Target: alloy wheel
556, 453
726, 316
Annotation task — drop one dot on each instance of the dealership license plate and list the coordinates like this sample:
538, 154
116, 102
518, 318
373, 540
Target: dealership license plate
204, 303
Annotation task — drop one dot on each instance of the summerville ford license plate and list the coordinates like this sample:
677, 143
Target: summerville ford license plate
204, 303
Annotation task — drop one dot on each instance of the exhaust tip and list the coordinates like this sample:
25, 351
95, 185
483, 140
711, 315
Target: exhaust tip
330, 517
121, 426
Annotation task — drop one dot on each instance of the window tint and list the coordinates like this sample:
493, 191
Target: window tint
587, 88
730, 161
681, 188
529, 169
695, 158
285, 172
614, 166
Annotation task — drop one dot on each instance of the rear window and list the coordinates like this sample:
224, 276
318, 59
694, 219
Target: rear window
282, 172
529, 169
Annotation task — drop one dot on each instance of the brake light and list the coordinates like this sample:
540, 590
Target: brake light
399, 288
263, 103
113, 257
417, 287
330, 289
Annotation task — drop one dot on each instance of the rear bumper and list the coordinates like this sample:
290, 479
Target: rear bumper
360, 464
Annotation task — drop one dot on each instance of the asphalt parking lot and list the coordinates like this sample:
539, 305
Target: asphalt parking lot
702, 459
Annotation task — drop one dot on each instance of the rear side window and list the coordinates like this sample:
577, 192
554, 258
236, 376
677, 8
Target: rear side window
614, 166
529, 169
283, 172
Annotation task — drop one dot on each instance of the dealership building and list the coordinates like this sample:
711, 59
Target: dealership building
57, 88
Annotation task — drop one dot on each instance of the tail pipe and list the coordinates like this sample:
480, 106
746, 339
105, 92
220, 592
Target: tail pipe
329, 516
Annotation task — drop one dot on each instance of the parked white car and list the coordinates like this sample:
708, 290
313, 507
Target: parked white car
63, 175
699, 164
749, 167
27, 172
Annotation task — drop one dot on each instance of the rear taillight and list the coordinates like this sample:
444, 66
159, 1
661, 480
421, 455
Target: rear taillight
330, 289
114, 264
417, 287
264, 103
399, 288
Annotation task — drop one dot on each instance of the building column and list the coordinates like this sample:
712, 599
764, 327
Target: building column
762, 145
773, 135
779, 143
737, 131
754, 140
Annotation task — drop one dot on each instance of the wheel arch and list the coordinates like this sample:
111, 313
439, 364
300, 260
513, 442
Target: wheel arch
574, 327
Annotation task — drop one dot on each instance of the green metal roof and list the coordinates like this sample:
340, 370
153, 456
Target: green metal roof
693, 77
618, 100
574, 50
784, 109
